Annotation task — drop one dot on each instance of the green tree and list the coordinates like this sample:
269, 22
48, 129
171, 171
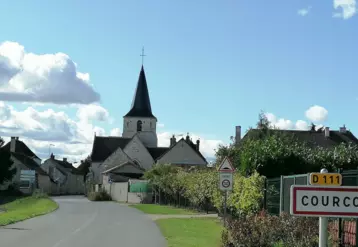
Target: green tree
6, 170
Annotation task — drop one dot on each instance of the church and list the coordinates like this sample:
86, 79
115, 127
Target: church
129, 156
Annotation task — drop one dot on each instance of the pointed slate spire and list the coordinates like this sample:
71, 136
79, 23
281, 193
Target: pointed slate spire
141, 102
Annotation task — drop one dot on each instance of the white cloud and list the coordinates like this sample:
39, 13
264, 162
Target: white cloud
92, 112
317, 113
44, 130
46, 78
348, 8
302, 125
160, 125
314, 114
304, 11
286, 124
280, 123
115, 132
49, 131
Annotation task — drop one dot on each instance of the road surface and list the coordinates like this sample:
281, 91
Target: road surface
81, 223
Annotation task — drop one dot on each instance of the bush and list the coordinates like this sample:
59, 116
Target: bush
12, 190
199, 187
267, 231
99, 196
39, 194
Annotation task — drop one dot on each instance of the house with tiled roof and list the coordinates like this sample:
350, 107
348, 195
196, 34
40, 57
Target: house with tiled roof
24, 159
136, 151
69, 179
321, 137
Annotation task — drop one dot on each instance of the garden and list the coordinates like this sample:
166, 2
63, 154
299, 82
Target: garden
267, 153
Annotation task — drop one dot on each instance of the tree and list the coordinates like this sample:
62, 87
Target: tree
6, 170
84, 167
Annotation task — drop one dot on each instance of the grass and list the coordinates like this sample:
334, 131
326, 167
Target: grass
192, 232
161, 209
25, 208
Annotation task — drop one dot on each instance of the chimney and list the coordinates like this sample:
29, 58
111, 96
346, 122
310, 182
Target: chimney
343, 129
52, 156
237, 134
326, 132
13, 144
187, 137
64, 159
173, 141
197, 144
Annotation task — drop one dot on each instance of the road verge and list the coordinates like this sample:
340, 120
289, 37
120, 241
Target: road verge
25, 208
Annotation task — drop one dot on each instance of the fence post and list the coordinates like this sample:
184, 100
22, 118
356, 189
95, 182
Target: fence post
265, 195
340, 232
281, 194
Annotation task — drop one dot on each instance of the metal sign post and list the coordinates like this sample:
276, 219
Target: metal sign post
324, 201
225, 181
323, 226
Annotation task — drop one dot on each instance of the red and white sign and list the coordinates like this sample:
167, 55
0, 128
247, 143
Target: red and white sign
226, 166
321, 201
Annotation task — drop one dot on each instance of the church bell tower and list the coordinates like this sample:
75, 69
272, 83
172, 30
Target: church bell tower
140, 119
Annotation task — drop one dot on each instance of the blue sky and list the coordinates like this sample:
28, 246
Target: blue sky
210, 65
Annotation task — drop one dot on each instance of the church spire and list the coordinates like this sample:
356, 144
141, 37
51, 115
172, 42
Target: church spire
141, 102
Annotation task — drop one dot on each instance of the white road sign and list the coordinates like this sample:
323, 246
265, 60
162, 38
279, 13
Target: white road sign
322, 201
226, 166
27, 175
225, 181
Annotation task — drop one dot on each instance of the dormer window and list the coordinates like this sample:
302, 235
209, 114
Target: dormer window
139, 125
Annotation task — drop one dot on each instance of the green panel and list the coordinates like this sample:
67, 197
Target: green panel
140, 187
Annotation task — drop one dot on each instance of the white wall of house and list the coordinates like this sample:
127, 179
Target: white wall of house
97, 169
182, 153
138, 152
50, 168
44, 184
118, 191
68, 183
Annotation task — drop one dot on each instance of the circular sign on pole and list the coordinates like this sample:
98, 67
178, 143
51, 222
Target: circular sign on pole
225, 183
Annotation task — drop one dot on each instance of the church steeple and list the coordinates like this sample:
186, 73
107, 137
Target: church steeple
141, 102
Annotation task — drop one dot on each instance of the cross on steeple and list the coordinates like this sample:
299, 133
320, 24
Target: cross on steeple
142, 55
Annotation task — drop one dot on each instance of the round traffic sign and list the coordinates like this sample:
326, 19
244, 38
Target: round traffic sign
225, 183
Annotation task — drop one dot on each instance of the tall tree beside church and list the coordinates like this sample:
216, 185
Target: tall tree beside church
6, 171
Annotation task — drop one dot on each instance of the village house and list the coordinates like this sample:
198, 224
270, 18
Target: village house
129, 156
69, 180
29, 175
321, 137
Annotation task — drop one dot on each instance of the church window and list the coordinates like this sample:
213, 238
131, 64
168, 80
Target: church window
139, 125
150, 124
127, 124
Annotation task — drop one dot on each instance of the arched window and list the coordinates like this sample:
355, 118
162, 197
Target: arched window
139, 125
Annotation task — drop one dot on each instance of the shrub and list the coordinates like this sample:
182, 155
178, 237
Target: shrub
99, 196
267, 231
13, 190
39, 194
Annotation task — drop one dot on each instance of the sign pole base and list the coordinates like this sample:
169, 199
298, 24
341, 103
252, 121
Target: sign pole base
323, 231
323, 226
225, 205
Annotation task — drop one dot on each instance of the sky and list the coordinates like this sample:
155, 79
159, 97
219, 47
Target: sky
68, 69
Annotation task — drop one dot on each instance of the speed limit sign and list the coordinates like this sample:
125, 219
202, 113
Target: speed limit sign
225, 181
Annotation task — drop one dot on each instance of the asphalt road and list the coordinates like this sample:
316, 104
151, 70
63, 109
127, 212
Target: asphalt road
81, 223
